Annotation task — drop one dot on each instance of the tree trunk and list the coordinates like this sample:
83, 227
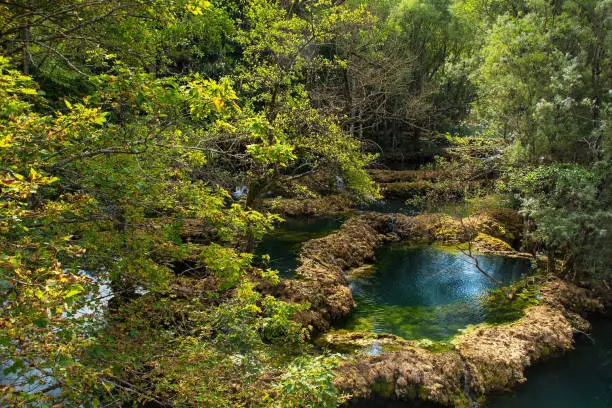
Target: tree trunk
26, 48
550, 266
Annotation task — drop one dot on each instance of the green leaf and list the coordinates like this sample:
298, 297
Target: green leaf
73, 291
41, 322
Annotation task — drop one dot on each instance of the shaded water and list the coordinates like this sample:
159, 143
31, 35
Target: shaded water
581, 378
398, 205
423, 292
284, 243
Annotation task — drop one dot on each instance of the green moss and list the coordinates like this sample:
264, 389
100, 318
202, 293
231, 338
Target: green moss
437, 323
452, 249
435, 326
461, 400
391, 347
436, 346
501, 310
406, 189
383, 388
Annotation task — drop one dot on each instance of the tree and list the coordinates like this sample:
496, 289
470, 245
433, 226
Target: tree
569, 207
278, 49
115, 182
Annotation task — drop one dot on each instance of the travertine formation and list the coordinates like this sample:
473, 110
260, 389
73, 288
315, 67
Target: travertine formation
482, 360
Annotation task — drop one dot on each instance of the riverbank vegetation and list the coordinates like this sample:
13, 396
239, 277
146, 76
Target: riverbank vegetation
147, 146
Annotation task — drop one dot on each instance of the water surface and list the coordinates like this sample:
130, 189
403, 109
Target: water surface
284, 243
582, 378
424, 292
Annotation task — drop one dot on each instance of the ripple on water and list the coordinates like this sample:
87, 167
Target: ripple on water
424, 292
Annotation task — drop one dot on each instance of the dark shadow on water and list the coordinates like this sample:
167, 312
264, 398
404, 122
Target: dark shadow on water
581, 378
386, 403
284, 243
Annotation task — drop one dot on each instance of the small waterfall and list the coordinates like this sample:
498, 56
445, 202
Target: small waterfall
392, 224
239, 192
339, 183
467, 379
375, 350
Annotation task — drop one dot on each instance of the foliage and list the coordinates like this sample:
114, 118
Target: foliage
309, 383
570, 215
124, 125
87, 187
43, 299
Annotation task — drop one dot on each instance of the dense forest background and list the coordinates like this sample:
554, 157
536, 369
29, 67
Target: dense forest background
128, 126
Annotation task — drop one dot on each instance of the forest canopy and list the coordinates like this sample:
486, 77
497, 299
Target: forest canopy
140, 143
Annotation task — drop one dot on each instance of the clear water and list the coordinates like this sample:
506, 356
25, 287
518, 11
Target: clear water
580, 379
284, 243
414, 293
424, 292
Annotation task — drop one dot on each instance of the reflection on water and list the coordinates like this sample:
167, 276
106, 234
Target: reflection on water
423, 292
284, 243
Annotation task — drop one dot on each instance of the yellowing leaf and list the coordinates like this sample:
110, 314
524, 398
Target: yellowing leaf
6, 141
33, 174
28, 91
39, 294
218, 102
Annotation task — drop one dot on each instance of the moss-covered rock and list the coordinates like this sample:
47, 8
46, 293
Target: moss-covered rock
485, 359
498, 355
395, 176
571, 298
410, 374
362, 342
317, 206
407, 189
487, 244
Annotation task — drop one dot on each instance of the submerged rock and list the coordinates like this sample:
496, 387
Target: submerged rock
487, 243
485, 359
320, 278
